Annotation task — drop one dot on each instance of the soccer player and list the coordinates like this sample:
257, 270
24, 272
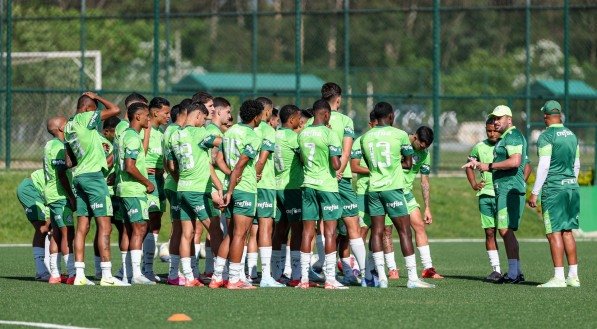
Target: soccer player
387, 150
557, 174
191, 145
241, 148
320, 152
134, 97
60, 200
84, 149
421, 163
30, 193
289, 179
508, 169
266, 193
133, 185
274, 119
483, 152
159, 112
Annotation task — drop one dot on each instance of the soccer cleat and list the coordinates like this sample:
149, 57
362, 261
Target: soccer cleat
505, 279
394, 274
334, 284
284, 280
55, 280
493, 276
350, 281
113, 282
553, 283
302, 285
383, 283
573, 282
151, 276
82, 282
193, 283
63, 278
207, 275
214, 284
42, 277
269, 282
316, 277
240, 285
142, 280
70, 281
418, 283
430, 273
179, 281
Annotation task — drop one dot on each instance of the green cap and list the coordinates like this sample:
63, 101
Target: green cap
500, 111
551, 107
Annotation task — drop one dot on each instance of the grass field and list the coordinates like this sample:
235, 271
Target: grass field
453, 204
461, 300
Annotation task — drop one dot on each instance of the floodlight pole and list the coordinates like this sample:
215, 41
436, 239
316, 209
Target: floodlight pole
8, 122
156, 48
566, 59
82, 44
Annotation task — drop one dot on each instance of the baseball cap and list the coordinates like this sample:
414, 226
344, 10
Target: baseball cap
500, 111
551, 107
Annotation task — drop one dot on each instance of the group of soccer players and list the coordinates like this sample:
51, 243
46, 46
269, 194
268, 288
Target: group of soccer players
257, 185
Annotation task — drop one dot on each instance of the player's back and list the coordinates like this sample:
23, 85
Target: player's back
83, 138
238, 140
287, 163
317, 143
561, 145
191, 151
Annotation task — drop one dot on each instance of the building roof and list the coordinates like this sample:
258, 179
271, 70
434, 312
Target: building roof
555, 88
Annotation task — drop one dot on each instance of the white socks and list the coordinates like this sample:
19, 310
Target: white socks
360, 253
219, 268
106, 269
425, 255
187, 270
287, 266
45, 255
559, 273
54, 272
136, 262
39, 259
174, 263
411, 267
123, 257
80, 269
295, 261
378, 259
235, 272
266, 262
330, 266
305, 264
494, 260
390, 261
198, 247
573, 271
251, 263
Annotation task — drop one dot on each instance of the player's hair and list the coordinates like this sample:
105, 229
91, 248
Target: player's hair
425, 135
158, 102
250, 109
174, 112
382, 110
264, 101
134, 108
321, 105
490, 121
287, 111
83, 100
202, 97
196, 106
221, 102
184, 104
135, 97
330, 90
372, 116
111, 122
275, 112
307, 113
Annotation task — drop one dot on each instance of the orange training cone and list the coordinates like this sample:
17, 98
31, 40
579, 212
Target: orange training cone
178, 317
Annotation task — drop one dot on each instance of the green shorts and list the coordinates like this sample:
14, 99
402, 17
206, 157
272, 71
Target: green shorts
364, 218
93, 197
348, 198
117, 209
290, 204
391, 203
320, 205
266, 204
134, 209
32, 201
488, 210
510, 206
411, 202
172, 197
60, 214
242, 203
561, 209
156, 201
195, 205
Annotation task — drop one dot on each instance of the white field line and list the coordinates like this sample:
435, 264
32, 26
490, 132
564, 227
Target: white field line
41, 325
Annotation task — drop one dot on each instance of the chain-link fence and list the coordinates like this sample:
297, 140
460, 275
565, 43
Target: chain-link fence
446, 65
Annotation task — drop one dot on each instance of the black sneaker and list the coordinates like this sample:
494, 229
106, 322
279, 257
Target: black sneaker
493, 276
505, 279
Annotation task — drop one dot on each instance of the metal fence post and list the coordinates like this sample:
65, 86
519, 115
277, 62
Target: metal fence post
167, 52
346, 9
297, 50
527, 69
254, 47
82, 44
7, 131
566, 59
436, 84
156, 48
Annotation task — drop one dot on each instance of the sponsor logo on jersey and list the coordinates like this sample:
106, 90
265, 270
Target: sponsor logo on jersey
265, 205
350, 206
568, 181
395, 204
313, 181
96, 205
331, 207
564, 133
199, 208
132, 212
243, 204
311, 133
293, 211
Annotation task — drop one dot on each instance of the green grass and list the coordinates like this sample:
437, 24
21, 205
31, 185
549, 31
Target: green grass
462, 300
453, 204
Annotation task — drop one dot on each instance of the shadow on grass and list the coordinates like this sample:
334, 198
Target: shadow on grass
21, 278
482, 279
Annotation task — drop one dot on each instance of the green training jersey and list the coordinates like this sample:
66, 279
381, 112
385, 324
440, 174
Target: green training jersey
318, 144
512, 142
120, 128
362, 181
54, 161
287, 161
154, 157
109, 149
267, 134
130, 147
238, 140
39, 180
191, 146
421, 164
84, 140
383, 148
483, 152
170, 183
342, 126
212, 129
561, 145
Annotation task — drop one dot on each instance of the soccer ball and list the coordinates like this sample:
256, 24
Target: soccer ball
164, 252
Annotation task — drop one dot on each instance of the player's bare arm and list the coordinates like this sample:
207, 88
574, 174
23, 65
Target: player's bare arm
235, 177
110, 110
346, 148
131, 169
426, 190
355, 167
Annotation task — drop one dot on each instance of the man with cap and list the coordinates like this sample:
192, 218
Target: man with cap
557, 174
508, 169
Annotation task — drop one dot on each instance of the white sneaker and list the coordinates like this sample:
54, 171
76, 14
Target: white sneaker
141, 280
418, 283
269, 282
113, 282
334, 284
573, 282
553, 283
383, 283
82, 281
